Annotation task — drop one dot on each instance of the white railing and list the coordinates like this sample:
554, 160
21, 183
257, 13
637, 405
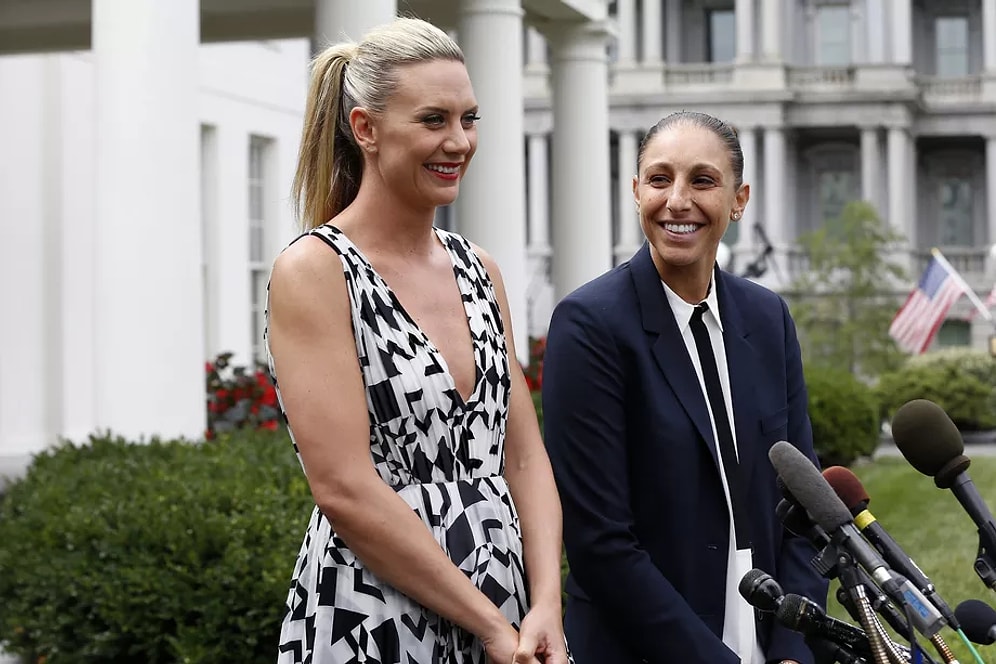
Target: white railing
821, 78
697, 75
939, 90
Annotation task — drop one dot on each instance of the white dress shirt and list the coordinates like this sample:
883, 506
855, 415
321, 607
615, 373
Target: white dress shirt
739, 632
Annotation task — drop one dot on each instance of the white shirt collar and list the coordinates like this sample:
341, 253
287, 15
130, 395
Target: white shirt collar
683, 311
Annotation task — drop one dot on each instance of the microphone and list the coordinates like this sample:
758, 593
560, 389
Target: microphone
978, 621
804, 615
760, 590
812, 492
932, 444
850, 490
796, 521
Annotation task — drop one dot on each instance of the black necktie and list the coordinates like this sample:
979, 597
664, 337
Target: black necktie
724, 432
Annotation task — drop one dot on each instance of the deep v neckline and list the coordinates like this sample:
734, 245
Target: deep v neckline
467, 302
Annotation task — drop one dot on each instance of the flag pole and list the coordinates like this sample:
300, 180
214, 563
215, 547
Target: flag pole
969, 292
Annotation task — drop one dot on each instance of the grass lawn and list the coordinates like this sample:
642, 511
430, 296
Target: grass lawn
934, 530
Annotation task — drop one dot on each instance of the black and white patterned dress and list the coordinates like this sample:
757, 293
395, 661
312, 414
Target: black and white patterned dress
443, 456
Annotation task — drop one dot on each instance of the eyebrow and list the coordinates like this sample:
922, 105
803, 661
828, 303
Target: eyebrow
444, 111
702, 165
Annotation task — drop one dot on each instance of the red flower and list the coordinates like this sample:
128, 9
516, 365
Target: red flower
221, 394
271, 425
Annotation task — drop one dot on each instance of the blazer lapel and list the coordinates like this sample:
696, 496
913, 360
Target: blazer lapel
669, 348
743, 364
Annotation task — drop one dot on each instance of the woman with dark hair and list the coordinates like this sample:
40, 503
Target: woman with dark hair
665, 382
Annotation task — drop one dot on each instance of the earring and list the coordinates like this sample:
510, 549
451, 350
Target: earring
736, 216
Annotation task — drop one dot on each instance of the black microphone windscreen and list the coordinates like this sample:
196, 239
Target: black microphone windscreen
847, 486
926, 436
806, 483
977, 621
790, 612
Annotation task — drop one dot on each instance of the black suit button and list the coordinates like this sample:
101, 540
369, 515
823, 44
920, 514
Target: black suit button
712, 547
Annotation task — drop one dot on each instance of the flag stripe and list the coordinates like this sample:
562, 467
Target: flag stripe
918, 320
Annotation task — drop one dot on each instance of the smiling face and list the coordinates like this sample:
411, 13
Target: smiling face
687, 194
423, 141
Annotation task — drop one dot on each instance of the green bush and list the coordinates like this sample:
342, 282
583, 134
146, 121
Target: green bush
845, 419
160, 552
962, 381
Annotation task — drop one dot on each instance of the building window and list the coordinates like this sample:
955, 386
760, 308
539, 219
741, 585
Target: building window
835, 188
833, 35
951, 45
954, 333
259, 178
956, 222
722, 35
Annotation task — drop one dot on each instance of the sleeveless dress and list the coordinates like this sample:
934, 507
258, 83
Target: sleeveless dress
443, 456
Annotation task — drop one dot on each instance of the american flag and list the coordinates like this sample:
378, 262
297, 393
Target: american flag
918, 320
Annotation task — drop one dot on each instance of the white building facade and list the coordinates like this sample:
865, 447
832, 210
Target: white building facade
147, 150
146, 163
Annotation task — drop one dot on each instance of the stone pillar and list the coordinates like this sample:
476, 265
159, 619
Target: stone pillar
871, 168
148, 297
336, 21
989, 36
775, 198
626, 20
494, 215
535, 49
991, 192
582, 236
745, 240
901, 27
652, 23
875, 31
539, 290
900, 192
673, 30
630, 234
771, 30
744, 17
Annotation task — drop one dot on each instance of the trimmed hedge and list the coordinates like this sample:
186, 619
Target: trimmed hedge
962, 381
159, 552
844, 416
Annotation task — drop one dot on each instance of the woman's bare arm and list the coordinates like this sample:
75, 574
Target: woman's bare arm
314, 352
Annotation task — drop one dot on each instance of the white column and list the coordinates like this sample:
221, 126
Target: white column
989, 35
871, 167
771, 30
336, 21
147, 241
775, 198
901, 27
626, 20
748, 144
582, 236
495, 216
626, 215
539, 290
901, 190
875, 30
535, 48
991, 188
27, 271
652, 23
744, 17
539, 195
673, 29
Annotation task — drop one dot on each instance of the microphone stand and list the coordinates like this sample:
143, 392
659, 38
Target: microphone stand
883, 649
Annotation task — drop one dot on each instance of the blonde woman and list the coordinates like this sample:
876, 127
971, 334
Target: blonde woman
437, 527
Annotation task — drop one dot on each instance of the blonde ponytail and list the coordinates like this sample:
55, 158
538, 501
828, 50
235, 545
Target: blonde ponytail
343, 77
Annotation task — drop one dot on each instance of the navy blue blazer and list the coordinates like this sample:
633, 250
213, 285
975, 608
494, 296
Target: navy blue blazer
646, 524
